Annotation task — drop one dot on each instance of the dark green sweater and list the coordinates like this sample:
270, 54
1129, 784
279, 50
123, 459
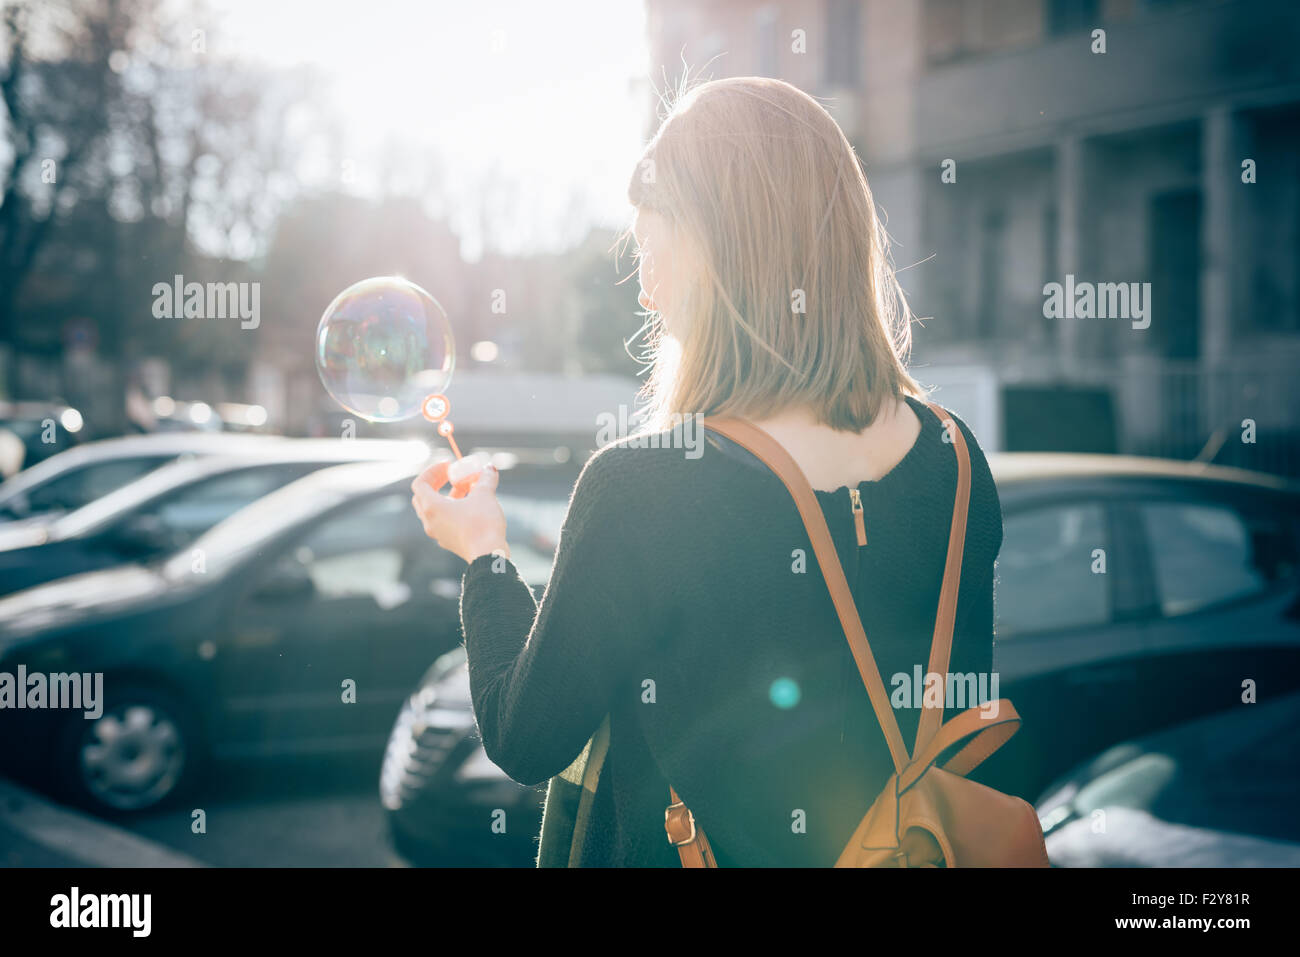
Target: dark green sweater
676, 604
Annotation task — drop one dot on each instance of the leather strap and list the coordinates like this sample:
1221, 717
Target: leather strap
692, 846
691, 843
986, 734
946, 616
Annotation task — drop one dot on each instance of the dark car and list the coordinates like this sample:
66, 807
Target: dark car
170, 507
444, 800
295, 627
31, 432
1220, 791
74, 478
1131, 594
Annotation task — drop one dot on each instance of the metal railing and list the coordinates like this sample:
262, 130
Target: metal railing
1239, 413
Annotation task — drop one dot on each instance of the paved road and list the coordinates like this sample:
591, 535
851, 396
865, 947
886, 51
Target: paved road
37, 832
301, 814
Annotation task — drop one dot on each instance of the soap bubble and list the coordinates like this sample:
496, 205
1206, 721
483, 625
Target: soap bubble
382, 346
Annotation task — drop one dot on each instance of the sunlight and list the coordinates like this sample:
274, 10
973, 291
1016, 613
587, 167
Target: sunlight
538, 116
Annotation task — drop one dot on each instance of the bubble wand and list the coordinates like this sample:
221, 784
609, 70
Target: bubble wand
462, 472
382, 347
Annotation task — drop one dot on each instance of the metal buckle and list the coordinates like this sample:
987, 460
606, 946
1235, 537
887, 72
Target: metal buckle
689, 816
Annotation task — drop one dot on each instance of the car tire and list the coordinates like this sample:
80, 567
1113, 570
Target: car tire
142, 753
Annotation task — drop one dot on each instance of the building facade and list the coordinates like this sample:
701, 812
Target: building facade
1013, 144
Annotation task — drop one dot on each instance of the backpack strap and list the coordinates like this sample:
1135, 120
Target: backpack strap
982, 733
692, 846
946, 615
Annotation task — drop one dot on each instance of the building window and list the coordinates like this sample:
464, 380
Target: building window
1070, 16
957, 29
842, 38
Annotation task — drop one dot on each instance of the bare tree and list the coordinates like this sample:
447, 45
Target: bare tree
56, 100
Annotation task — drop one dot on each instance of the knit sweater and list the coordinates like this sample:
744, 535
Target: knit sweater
686, 602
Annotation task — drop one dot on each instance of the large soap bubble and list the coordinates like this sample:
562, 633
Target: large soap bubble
382, 346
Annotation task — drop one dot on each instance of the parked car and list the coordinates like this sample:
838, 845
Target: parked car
296, 626
170, 507
441, 793
1220, 791
1131, 594
71, 479
33, 431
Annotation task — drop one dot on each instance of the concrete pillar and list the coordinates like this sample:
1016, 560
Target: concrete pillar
1222, 255
1222, 150
1070, 176
899, 196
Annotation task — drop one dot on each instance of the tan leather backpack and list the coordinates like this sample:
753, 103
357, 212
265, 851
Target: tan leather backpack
928, 815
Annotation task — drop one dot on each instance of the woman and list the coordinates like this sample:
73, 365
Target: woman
685, 601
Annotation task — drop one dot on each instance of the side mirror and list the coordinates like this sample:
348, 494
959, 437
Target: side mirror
285, 581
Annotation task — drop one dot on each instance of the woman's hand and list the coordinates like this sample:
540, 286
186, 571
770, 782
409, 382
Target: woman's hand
467, 524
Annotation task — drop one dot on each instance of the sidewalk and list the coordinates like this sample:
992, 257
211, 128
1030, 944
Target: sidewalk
35, 832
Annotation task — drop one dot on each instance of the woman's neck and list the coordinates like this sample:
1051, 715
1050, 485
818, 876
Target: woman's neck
830, 458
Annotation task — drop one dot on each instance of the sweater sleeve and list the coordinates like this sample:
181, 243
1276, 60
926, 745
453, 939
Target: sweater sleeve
543, 675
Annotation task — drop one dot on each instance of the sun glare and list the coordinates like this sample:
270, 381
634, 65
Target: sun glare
538, 109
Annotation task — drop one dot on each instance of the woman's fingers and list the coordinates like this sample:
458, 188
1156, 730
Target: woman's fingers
475, 481
434, 477
468, 520
485, 483
426, 500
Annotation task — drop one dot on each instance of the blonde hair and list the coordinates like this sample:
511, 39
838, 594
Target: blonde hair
768, 204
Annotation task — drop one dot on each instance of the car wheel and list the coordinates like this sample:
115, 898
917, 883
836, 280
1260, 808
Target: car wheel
142, 752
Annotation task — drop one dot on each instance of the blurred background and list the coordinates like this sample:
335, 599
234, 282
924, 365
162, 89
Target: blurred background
263, 142
483, 153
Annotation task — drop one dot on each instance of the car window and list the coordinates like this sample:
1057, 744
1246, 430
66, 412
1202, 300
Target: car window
1045, 571
1205, 554
378, 549
194, 509
82, 486
361, 550
532, 529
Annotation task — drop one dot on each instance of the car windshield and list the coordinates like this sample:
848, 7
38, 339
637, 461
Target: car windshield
79, 486
129, 496
224, 545
534, 522
37, 474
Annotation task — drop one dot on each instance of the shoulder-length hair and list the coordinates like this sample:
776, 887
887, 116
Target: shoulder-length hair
789, 296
